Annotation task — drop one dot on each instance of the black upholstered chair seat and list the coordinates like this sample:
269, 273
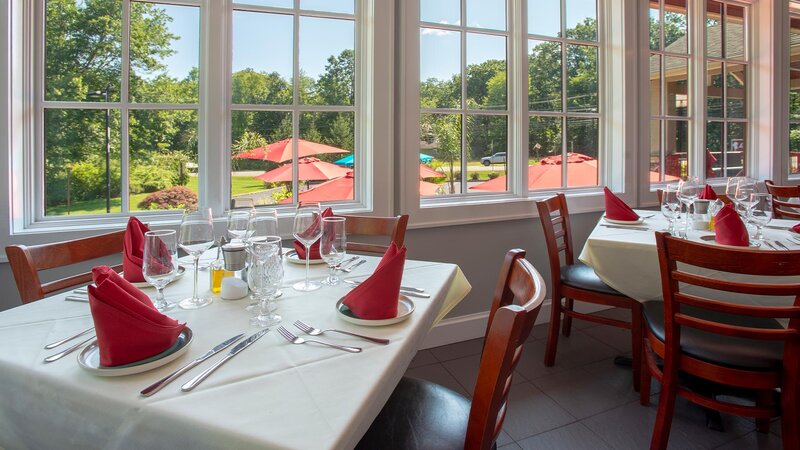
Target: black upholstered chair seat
419, 415
728, 351
581, 276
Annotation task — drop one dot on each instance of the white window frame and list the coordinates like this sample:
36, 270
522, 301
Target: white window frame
794, 13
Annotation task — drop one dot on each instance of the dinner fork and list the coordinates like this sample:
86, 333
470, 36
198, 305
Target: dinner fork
350, 269
298, 340
308, 329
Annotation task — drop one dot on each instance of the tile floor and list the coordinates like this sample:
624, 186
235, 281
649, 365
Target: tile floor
584, 401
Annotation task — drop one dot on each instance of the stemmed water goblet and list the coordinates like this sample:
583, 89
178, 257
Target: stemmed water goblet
333, 246
264, 278
687, 194
307, 230
262, 223
238, 222
670, 206
160, 263
196, 237
759, 213
745, 187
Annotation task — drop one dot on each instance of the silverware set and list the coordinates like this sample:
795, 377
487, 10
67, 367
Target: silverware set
405, 290
191, 384
348, 269
67, 351
311, 331
298, 340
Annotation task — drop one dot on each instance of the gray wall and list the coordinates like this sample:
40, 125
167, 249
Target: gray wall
477, 248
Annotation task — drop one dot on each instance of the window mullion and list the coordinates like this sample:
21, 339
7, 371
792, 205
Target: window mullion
124, 119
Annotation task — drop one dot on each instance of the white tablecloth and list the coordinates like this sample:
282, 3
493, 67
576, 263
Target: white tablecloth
274, 395
627, 260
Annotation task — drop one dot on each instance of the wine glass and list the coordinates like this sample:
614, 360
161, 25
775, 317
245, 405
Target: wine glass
730, 188
333, 246
670, 205
687, 193
159, 263
197, 236
745, 187
307, 230
264, 278
759, 213
238, 222
262, 223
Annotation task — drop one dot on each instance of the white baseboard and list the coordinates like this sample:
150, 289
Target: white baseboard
472, 326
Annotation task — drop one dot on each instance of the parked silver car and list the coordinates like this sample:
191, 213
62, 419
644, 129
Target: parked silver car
497, 158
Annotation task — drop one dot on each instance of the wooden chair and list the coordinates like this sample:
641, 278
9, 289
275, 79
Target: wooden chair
423, 415
577, 281
27, 261
733, 346
392, 227
782, 206
722, 197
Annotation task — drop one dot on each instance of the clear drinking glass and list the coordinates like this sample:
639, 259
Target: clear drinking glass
307, 230
238, 222
688, 191
670, 205
759, 213
264, 278
160, 263
745, 187
333, 246
196, 237
275, 241
262, 223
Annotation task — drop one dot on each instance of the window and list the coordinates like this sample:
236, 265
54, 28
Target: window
794, 89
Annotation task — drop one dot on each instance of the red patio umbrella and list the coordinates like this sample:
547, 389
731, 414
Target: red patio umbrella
308, 169
427, 172
342, 189
282, 150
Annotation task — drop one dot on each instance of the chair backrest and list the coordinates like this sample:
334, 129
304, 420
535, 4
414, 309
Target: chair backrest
27, 261
509, 326
676, 280
782, 206
392, 227
554, 215
722, 197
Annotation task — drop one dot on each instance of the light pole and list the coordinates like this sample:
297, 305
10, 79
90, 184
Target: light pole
106, 93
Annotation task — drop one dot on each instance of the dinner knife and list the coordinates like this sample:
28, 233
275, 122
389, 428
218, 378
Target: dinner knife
191, 384
403, 290
155, 387
781, 245
623, 227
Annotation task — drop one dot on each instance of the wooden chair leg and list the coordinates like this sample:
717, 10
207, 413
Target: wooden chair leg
636, 347
567, 327
763, 398
552, 335
666, 410
790, 413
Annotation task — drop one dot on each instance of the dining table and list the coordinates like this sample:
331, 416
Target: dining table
273, 395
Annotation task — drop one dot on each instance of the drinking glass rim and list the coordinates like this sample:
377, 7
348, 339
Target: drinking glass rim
159, 232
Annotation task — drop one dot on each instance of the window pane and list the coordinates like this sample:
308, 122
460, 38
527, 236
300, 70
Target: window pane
544, 18
714, 147
163, 159
320, 179
676, 140
339, 6
794, 148
734, 32
655, 26
714, 89
581, 143
440, 11
582, 78
544, 139
252, 135
262, 73
655, 151
714, 29
655, 85
736, 93
327, 61
487, 146
675, 26
544, 76
75, 148
794, 43
794, 94
486, 71
171, 75
736, 153
582, 19
440, 137
275, 3
83, 49
489, 14
440, 69
676, 72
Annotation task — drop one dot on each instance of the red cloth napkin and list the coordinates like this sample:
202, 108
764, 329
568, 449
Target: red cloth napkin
314, 249
129, 328
796, 228
708, 194
616, 209
377, 297
729, 229
133, 250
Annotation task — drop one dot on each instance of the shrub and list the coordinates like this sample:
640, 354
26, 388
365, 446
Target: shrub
493, 175
88, 179
150, 178
176, 197
474, 176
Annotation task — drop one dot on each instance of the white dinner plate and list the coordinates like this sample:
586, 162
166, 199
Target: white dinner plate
713, 238
624, 222
405, 307
292, 257
205, 260
793, 233
145, 284
89, 358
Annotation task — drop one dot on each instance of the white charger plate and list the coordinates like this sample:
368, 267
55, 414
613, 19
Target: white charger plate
624, 222
405, 307
713, 238
293, 258
89, 358
145, 284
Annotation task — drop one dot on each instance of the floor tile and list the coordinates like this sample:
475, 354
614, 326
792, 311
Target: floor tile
422, 358
511, 446
458, 350
539, 332
574, 436
574, 351
755, 440
503, 439
465, 370
437, 374
618, 338
531, 412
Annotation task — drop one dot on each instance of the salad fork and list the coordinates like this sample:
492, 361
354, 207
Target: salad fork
308, 329
298, 340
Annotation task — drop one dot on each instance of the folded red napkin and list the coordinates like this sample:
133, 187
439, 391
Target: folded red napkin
796, 228
376, 298
708, 194
129, 328
729, 228
133, 250
314, 249
616, 209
